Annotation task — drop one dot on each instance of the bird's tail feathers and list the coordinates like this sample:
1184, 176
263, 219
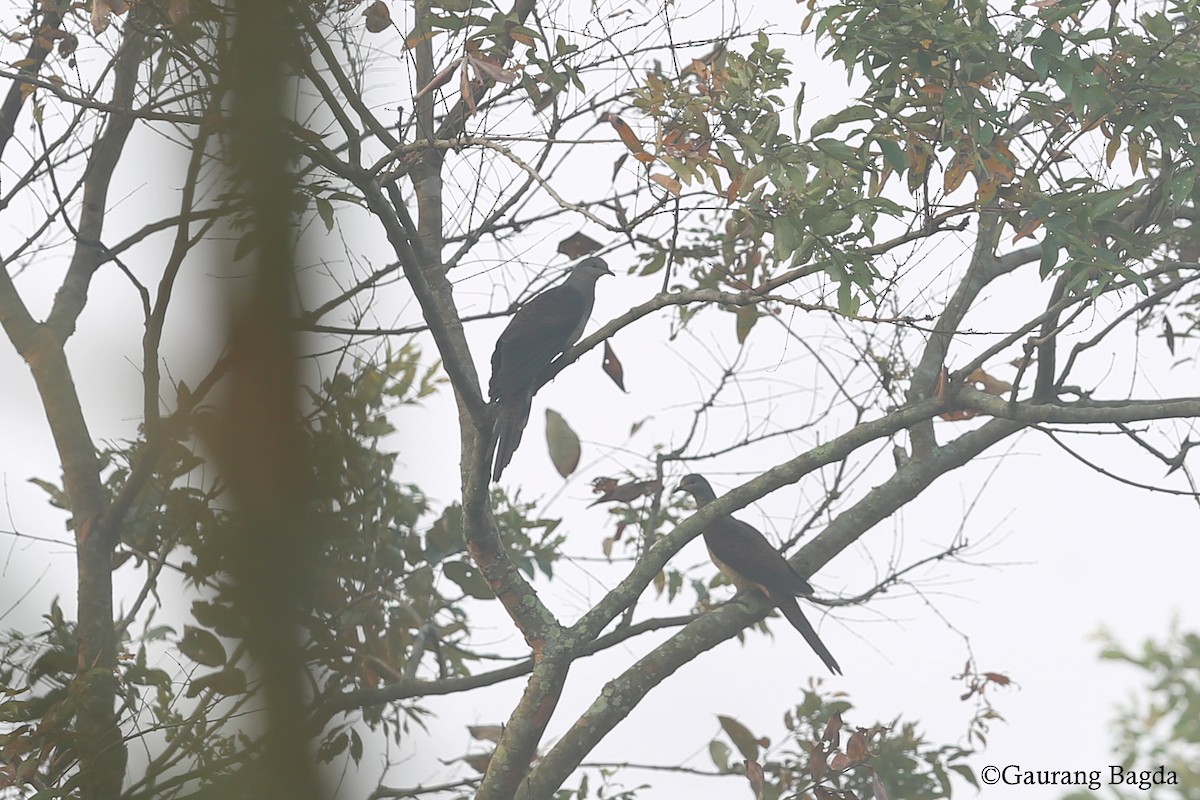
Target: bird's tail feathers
510, 424
791, 610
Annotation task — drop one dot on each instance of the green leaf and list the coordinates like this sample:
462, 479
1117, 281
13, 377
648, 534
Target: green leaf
325, 211
468, 579
739, 734
226, 682
202, 646
563, 443
747, 316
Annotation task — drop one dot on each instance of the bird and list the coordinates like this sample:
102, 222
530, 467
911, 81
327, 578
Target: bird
752, 564
539, 332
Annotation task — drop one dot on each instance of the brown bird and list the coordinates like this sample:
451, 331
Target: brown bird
537, 334
752, 564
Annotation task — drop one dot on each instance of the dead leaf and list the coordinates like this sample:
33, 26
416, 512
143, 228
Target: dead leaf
562, 442
857, 748
614, 492
612, 367
101, 11
754, 774
667, 182
988, 384
627, 136
379, 17
578, 245
441, 79
816, 763
486, 733
833, 729
489, 67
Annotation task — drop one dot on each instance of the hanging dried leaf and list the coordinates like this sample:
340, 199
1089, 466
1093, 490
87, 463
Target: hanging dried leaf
486, 66
68, 45
485, 733
878, 787
379, 17
101, 11
857, 748
562, 443
667, 182
613, 492
612, 367
438, 81
833, 729
988, 384
816, 763
578, 245
628, 137
754, 774
1168, 334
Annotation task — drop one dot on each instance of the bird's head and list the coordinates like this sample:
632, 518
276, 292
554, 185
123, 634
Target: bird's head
591, 268
697, 487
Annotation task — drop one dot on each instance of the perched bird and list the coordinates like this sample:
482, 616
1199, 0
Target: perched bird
537, 334
751, 563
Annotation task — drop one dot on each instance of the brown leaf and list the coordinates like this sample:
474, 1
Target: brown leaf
1028, 228
563, 443
489, 67
467, 91
627, 136
833, 729
878, 788
816, 763
754, 774
441, 79
607, 546
612, 367
987, 383
101, 9
68, 45
959, 167
379, 17
840, 762
857, 748
666, 181
613, 492
578, 245
959, 415
486, 733
997, 678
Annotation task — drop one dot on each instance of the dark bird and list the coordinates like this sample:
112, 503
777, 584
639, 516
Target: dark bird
537, 334
752, 564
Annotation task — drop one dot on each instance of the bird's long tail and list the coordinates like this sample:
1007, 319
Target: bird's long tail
791, 610
510, 424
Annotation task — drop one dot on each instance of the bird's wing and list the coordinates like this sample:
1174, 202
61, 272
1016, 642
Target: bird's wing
539, 331
745, 555
791, 610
